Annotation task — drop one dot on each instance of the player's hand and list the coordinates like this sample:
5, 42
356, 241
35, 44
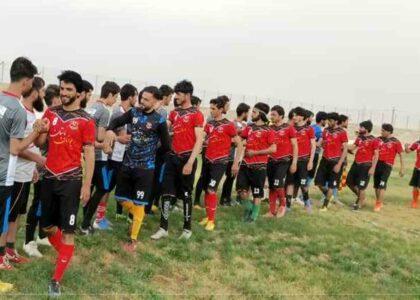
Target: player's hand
293, 168
187, 169
337, 168
250, 153
371, 171
124, 138
235, 170
406, 146
85, 194
108, 142
310, 166
41, 161
35, 176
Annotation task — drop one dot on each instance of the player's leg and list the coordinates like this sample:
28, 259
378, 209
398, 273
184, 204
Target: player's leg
200, 186
32, 220
363, 183
187, 185
272, 186
5, 202
352, 178
242, 188
214, 176
415, 183
312, 173
321, 181
257, 180
226, 197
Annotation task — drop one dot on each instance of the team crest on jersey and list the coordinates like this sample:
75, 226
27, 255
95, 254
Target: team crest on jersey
148, 125
74, 125
186, 119
258, 134
220, 129
211, 129
135, 120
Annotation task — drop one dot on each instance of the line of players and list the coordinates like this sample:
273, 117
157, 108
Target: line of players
147, 155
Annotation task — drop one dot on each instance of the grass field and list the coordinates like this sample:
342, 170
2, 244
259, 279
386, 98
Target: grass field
338, 253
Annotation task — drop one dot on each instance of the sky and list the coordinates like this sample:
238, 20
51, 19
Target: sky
347, 53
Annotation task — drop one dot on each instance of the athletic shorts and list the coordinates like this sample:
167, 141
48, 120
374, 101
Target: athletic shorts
134, 185
298, 178
415, 179
5, 201
277, 173
20, 195
311, 173
213, 173
359, 175
60, 203
174, 182
380, 178
326, 175
113, 169
253, 178
102, 176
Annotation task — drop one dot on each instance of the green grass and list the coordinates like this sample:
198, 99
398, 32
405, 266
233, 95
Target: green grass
339, 253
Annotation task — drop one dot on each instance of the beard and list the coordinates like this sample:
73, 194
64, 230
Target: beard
38, 105
83, 103
256, 119
68, 101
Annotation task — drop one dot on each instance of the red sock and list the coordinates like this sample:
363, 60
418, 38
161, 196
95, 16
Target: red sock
272, 197
212, 198
55, 240
101, 210
282, 196
64, 256
415, 195
206, 204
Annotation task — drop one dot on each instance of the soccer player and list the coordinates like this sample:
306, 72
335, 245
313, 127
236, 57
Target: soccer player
415, 179
280, 162
88, 91
71, 133
99, 111
135, 180
260, 143
363, 167
13, 140
25, 169
305, 136
320, 119
389, 148
52, 98
242, 112
181, 164
220, 134
334, 145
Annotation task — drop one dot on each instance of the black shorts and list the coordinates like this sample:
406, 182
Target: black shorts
135, 185
359, 175
326, 175
20, 195
213, 173
311, 173
253, 178
174, 182
60, 201
415, 179
277, 173
380, 178
299, 178
102, 176
113, 169
5, 200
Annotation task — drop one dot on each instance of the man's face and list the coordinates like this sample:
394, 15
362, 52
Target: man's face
255, 115
215, 112
27, 85
180, 98
362, 130
133, 99
385, 133
274, 116
148, 102
112, 99
68, 93
89, 95
167, 99
345, 124
297, 119
38, 102
56, 101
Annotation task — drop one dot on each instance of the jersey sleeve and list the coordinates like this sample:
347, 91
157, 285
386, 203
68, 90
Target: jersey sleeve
414, 146
88, 133
17, 130
121, 120
165, 144
399, 147
344, 137
292, 132
245, 132
207, 128
376, 144
198, 119
232, 130
171, 117
103, 118
311, 133
357, 142
271, 136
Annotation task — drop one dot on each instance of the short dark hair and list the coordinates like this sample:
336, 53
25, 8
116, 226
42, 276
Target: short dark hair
219, 102
278, 109
22, 68
367, 125
388, 127
185, 87
242, 108
37, 84
342, 119
51, 91
300, 111
333, 116
320, 116
109, 87
224, 98
291, 113
154, 91
166, 90
72, 77
127, 90
195, 100
87, 86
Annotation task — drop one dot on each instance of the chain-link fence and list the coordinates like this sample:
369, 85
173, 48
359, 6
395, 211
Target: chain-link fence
399, 118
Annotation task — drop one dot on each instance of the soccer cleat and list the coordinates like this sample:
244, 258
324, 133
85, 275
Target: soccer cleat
5, 264
103, 224
161, 233
185, 235
54, 289
86, 231
378, 206
130, 246
210, 226
355, 207
5, 287
43, 242
323, 209
203, 222
31, 249
198, 207
14, 257
281, 212
413, 204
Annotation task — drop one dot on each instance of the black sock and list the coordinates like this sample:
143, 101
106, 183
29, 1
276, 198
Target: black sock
119, 208
187, 212
90, 208
305, 195
164, 212
326, 202
2, 251
10, 245
288, 200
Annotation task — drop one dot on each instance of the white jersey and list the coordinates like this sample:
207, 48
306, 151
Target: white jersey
119, 149
25, 168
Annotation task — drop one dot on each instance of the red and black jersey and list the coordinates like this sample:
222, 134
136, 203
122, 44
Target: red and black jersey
416, 147
304, 135
366, 146
257, 138
388, 149
283, 135
184, 122
332, 142
219, 139
69, 132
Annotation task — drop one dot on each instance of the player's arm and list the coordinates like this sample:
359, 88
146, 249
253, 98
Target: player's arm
17, 145
312, 155
343, 156
401, 164
295, 153
165, 144
351, 148
239, 152
110, 135
270, 150
374, 162
31, 156
199, 139
89, 156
